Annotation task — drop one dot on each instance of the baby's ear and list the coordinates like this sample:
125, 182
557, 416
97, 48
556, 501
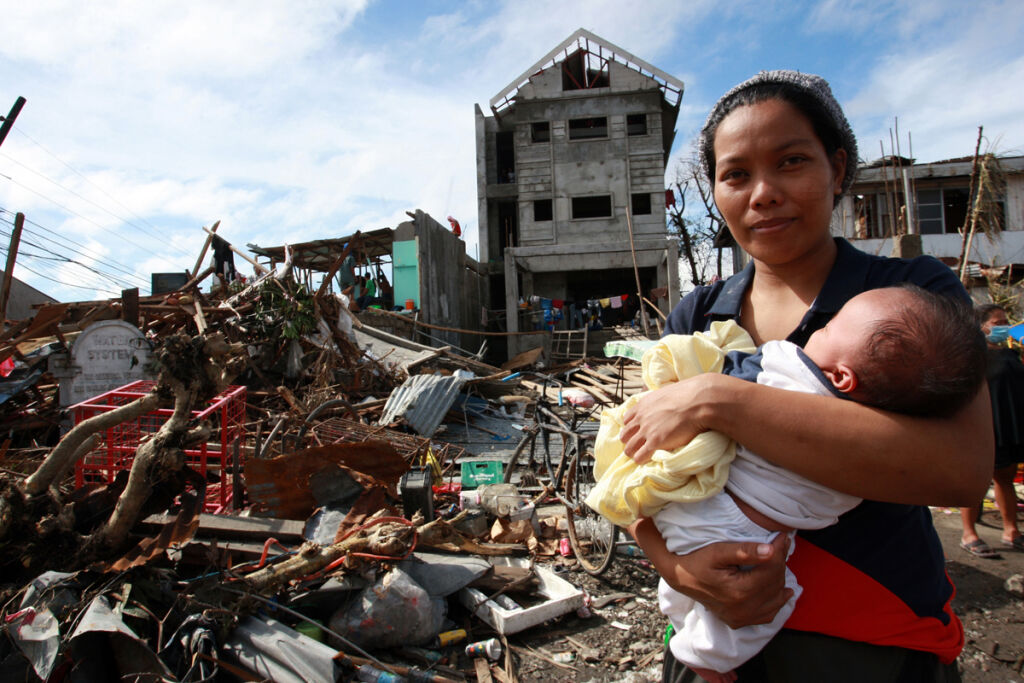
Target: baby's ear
843, 378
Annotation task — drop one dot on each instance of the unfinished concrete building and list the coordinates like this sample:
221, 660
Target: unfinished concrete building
571, 183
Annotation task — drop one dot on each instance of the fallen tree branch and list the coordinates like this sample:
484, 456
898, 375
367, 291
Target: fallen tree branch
68, 450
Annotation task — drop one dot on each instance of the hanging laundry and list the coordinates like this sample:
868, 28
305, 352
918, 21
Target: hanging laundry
616, 302
605, 303
558, 303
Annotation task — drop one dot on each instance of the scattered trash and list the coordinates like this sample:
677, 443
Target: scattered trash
490, 648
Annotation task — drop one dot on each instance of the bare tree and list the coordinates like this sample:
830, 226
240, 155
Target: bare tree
695, 229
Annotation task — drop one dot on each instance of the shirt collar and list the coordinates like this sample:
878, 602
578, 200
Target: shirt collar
844, 281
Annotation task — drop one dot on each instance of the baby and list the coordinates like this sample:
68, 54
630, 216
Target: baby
901, 349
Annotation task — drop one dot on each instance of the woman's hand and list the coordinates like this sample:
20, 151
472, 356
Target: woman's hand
668, 418
741, 583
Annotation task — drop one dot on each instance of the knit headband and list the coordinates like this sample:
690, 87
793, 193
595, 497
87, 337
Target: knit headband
815, 87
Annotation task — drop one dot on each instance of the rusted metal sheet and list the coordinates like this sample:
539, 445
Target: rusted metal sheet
176, 533
281, 485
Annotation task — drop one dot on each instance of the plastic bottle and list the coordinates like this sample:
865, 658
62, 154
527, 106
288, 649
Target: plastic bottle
491, 648
500, 499
507, 603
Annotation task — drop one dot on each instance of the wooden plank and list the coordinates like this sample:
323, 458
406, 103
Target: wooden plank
239, 527
206, 246
483, 671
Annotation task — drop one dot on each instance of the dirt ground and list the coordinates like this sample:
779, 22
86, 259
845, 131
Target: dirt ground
622, 641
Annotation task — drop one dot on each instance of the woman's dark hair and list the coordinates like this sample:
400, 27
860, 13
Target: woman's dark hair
809, 94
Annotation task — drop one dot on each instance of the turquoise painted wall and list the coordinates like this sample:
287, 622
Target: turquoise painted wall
406, 272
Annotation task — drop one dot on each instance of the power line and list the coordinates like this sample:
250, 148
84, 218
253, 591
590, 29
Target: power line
74, 213
113, 278
96, 258
86, 179
57, 257
54, 270
83, 250
86, 199
65, 284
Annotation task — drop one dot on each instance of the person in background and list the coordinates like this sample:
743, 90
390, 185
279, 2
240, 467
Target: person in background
347, 273
369, 293
779, 153
1006, 389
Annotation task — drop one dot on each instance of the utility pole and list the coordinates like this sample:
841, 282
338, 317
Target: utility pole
8, 121
12, 253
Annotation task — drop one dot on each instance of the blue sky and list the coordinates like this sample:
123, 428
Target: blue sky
300, 120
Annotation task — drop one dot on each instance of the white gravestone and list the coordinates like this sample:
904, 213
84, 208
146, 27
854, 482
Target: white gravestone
107, 355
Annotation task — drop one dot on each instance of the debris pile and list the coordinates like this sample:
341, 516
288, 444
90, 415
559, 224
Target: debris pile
382, 508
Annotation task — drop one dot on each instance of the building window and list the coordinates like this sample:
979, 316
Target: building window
505, 155
641, 204
636, 124
541, 210
942, 210
584, 129
540, 131
592, 207
939, 211
929, 211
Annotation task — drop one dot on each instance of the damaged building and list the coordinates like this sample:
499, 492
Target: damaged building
933, 203
571, 182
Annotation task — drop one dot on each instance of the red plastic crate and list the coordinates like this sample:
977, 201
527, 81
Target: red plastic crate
116, 452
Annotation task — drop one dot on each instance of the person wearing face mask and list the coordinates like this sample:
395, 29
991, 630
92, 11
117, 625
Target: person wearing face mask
1006, 388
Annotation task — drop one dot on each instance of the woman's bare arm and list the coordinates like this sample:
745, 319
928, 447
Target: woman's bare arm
842, 444
742, 583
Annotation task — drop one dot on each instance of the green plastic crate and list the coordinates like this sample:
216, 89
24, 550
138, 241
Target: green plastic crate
480, 472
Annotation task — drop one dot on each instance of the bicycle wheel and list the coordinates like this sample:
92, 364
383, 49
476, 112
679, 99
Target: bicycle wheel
591, 536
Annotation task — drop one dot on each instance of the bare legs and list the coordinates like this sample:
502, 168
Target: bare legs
1006, 499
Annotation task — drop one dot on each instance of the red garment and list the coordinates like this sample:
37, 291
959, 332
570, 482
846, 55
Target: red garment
670, 199
455, 227
558, 303
842, 601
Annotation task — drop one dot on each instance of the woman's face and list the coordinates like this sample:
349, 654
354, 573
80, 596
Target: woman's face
774, 183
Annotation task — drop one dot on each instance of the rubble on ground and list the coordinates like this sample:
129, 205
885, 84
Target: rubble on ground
282, 495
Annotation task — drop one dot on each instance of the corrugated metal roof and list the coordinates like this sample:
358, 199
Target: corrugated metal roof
424, 400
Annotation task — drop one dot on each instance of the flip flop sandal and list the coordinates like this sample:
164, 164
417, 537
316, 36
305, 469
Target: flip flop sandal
979, 548
1016, 544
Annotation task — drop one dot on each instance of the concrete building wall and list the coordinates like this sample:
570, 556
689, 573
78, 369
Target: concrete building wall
559, 168
451, 286
1004, 248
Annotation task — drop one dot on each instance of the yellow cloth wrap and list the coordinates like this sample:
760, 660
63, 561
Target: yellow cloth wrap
625, 490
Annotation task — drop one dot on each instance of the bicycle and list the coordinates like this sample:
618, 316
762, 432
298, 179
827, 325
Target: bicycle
592, 537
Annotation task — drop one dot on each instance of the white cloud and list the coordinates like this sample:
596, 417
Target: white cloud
943, 94
310, 119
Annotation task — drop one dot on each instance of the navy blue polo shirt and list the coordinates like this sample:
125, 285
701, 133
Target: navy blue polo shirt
878, 574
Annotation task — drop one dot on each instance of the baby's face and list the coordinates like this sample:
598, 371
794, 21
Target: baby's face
843, 339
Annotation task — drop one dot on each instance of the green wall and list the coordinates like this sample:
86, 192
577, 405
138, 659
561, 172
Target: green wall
406, 272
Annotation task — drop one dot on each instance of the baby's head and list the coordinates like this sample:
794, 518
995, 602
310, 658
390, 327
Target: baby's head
903, 349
